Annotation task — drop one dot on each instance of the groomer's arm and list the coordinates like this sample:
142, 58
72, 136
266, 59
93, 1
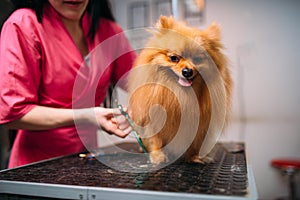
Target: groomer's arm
45, 118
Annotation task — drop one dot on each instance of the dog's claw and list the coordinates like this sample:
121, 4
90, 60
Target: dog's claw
204, 160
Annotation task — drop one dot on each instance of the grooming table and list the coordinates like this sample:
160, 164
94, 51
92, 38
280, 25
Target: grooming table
78, 177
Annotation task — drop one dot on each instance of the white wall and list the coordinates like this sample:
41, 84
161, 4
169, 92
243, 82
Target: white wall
262, 40
263, 35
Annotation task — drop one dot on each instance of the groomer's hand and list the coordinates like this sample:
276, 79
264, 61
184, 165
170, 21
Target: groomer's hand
112, 121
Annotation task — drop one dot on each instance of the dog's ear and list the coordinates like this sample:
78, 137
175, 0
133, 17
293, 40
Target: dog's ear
165, 22
213, 32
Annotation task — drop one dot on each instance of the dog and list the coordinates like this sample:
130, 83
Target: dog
168, 96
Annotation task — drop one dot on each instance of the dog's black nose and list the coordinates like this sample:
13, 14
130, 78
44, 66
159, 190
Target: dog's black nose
187, 72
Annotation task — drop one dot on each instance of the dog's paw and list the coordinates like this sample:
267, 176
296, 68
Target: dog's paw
197, 159
157, 157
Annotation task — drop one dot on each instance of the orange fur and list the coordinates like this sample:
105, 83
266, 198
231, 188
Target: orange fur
154, 78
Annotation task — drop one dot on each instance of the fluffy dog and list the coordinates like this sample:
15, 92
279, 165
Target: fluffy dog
170, 101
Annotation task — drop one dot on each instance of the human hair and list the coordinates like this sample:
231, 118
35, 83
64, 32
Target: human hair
96, 8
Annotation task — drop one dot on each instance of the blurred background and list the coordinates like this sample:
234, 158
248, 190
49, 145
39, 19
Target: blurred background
262, 42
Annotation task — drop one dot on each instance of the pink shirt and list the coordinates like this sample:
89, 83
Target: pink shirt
41, 65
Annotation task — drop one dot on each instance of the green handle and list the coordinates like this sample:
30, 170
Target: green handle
137, 136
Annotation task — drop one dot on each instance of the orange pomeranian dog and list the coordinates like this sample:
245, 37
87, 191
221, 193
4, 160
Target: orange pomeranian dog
175, 92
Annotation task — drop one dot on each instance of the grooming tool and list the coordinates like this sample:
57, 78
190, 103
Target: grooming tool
137, 136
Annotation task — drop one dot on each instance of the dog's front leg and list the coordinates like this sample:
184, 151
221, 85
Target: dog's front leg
154, 145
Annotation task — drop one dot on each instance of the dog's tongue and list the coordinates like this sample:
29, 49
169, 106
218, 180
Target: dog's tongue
184, 82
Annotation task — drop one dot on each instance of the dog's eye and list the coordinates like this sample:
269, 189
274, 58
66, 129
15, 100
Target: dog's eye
197, 60
174, 59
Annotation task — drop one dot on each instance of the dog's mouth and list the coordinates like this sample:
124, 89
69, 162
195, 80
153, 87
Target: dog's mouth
181, 80
185, 82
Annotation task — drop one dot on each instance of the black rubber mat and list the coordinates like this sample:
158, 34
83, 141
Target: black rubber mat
227, 175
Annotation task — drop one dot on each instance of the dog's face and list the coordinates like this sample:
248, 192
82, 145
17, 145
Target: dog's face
182, 51
183, 66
